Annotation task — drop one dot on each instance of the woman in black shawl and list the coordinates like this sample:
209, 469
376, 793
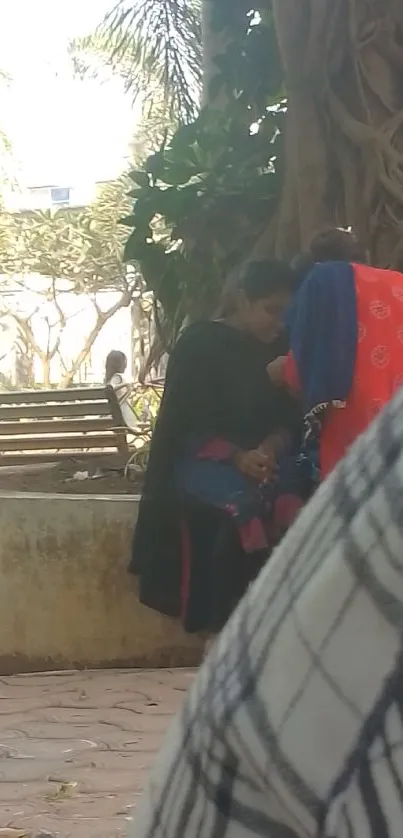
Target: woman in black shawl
222, 482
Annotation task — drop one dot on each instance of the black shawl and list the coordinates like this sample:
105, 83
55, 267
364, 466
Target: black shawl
216, 386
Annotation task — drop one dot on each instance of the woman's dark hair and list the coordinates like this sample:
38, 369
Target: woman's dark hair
331, 245
337, 245
257, 280
116, 362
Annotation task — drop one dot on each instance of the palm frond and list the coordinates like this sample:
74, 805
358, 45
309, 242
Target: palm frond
154, 45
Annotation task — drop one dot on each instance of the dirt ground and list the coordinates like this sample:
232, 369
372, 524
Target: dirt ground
61, 478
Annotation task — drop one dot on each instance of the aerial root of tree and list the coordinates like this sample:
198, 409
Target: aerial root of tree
343, 61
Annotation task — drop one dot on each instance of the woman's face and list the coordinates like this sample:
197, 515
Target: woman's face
264, 318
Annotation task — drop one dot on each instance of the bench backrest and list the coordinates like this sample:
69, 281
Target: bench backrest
51, 425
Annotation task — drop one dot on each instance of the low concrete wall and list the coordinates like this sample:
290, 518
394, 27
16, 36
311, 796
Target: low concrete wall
66, 599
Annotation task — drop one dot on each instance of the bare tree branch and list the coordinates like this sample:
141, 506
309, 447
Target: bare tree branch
102, 318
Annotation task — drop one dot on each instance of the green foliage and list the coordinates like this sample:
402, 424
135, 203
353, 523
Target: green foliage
249, 70
145, 402
78, 251
82, 246
203, 199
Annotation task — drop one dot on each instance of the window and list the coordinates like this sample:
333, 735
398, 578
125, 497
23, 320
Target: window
60, 196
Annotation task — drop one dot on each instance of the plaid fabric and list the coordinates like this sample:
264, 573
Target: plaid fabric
294, 725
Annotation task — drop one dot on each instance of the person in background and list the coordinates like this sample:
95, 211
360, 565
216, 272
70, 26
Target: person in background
115, 368
293, 727
346, 343
222, 483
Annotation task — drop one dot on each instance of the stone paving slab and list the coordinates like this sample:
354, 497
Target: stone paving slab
76, 747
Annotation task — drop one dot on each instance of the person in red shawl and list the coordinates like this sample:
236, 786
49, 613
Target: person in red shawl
346, 343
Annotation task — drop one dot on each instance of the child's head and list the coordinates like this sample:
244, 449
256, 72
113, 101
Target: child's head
116, 363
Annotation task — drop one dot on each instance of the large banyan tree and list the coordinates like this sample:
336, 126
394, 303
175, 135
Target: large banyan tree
301, 126
343, 65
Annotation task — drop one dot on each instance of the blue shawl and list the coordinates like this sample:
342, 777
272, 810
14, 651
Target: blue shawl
322, 326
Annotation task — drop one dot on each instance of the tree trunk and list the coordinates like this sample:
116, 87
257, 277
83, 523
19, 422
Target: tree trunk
24, 371
46, 371
343, 64
102, 318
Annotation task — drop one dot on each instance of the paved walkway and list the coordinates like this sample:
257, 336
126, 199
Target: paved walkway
76, 748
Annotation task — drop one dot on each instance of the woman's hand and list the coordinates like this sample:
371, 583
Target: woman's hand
275, 370
276, 443
256, 464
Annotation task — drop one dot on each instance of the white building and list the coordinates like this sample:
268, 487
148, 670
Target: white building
23, 198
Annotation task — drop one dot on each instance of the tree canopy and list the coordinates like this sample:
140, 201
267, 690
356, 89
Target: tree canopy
82, 245
155, 47
68, 251
301, 127
215, 185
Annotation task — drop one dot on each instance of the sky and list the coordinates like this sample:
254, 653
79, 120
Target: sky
64, 131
